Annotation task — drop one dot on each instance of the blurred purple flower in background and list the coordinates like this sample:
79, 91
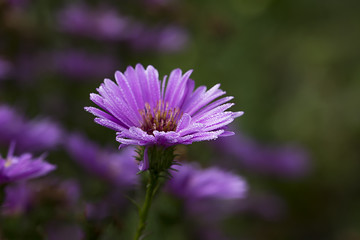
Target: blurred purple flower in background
83, 65
40, 134
106, 24
193, 183
108, 206
69, 189
11, 124
17, 3
158, 3
170, 38
284, 161
209, 194
212, 232
33, 135
24, 196
101, 24
57, 230
17, 199
61, 195
144, 110
5, 68
118, 168
73, 63
23, 167
29, 67
267, 206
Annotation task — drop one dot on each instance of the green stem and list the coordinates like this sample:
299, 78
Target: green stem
2, 199
2, 195
144, 210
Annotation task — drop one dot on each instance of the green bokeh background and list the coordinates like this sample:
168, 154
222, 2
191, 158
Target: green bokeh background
292, 66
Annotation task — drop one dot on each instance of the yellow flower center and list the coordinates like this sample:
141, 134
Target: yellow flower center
160, 118
8, 162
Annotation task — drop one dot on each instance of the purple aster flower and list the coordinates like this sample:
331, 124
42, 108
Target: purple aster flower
161, 38
23, 167
102, 24
5, 68
159, 3
111, 204
118, 168
11, 123
40, 134
147, 111
68, 190
172, 38
267, 206
74, 19
57, 230
17, 199
83, 65
285, 161
25, 196
34, 135
29, 68
209, 195
17, 3
191, 182
106, 24
211, 232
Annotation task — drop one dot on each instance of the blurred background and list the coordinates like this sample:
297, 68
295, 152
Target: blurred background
292, 66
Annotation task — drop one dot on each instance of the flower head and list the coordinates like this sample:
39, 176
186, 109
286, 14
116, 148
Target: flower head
56, 230
23, 167
118, 168
106, 24
147, 111
208, 194
26, 196
10, 124
17, 198
170, 38
101, 23
5, 68
193, 183
289, 160
40, 134
30, 135
81, 65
